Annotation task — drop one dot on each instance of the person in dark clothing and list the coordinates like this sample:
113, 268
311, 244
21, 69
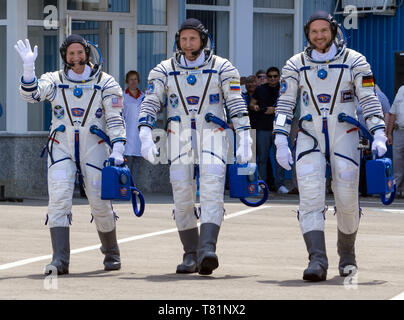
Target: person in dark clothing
262, 113
251, 83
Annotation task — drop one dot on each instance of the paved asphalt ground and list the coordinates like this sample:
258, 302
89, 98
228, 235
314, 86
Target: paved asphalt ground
261, 254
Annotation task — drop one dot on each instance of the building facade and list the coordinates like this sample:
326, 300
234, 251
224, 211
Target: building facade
132, 35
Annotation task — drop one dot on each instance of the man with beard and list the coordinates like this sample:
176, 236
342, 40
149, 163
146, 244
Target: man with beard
329, 76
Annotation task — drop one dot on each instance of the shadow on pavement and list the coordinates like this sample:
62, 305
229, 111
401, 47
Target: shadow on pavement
92, 274
181, 277
336, 281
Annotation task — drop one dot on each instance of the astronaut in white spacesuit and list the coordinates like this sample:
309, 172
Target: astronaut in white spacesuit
82, 96
329, 76
195, 82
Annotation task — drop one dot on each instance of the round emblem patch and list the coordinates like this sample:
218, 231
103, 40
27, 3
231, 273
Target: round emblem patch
322, 74
191, 79
78, 92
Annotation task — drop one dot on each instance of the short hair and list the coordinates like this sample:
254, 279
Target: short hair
251, 78
260, 72
272, 69
131, 73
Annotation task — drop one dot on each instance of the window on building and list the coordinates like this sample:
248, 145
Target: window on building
151, 42
216, 18
151, 51
36, 8
272, 33
3, 9
278, 4
99, 5
3, 74
152, 12
40, 114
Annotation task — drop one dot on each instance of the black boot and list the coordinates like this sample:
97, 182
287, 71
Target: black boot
318, 265
207, 258
189, 239
109, 247
346, 252
61, 251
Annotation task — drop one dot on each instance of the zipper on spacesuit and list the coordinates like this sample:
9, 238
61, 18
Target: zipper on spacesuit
194, 136
327, 146
77, 157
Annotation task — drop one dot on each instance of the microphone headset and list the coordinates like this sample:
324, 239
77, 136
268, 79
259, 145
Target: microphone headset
74, 38
194, 24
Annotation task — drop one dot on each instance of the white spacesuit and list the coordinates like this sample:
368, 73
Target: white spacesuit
328, 87
73, 150
191, 93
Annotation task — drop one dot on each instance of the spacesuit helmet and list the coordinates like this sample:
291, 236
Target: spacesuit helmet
321, 15
194, 24
93, 54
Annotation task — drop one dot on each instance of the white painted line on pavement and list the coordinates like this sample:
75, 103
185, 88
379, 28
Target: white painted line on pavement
23, 262
391, 210
142, 236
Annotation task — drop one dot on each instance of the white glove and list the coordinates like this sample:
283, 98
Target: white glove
28, 58
244, 152
117, 153
379, 142
148, 148
283, 154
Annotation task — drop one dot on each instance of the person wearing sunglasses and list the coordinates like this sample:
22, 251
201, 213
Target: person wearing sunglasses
262, 111
262, 77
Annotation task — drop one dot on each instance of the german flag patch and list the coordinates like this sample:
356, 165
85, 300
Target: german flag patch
368, 81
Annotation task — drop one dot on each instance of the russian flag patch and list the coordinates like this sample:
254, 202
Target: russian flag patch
235, 86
